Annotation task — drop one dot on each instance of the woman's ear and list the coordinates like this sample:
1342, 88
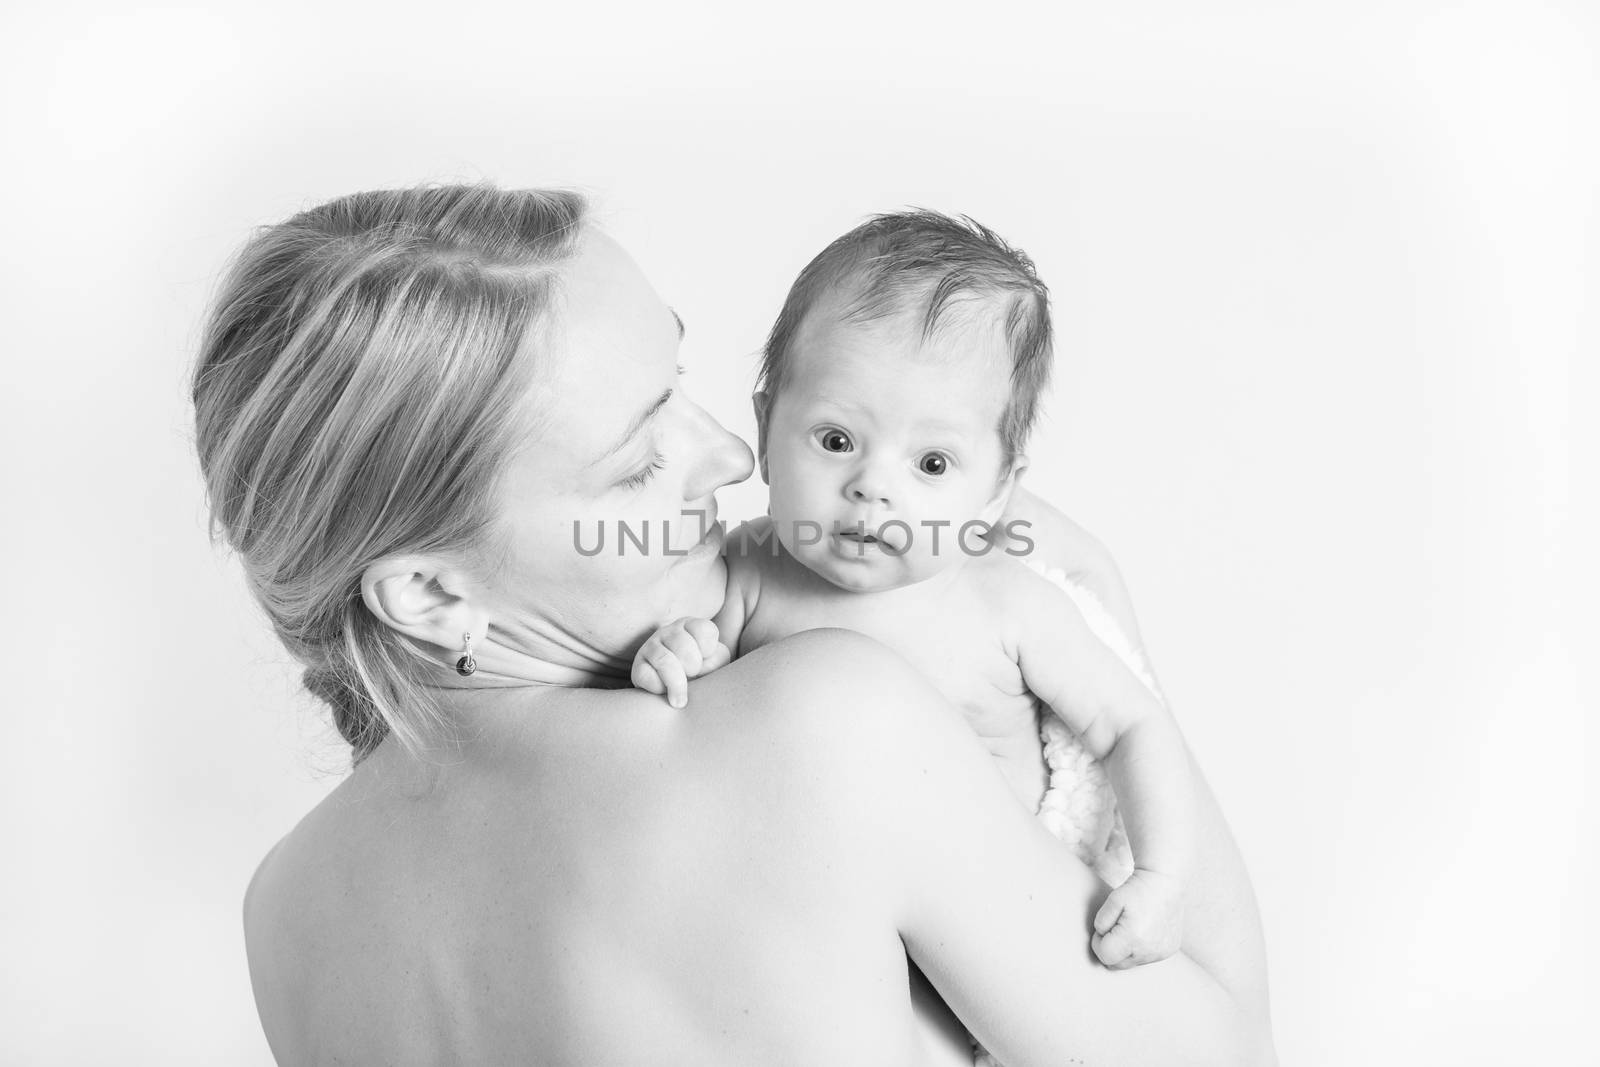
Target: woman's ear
423, 599
763, 404
996, 507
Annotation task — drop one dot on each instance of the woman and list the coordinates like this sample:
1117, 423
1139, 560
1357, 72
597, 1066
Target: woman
407, 404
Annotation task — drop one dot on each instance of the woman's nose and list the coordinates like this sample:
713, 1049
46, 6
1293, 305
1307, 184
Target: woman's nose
723, 457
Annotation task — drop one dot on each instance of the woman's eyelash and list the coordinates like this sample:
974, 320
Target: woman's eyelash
637, 481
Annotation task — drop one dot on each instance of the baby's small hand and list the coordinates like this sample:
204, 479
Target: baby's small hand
675, 653
1140, 922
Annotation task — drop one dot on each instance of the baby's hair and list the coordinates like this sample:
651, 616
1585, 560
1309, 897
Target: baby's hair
360, 387
940, 267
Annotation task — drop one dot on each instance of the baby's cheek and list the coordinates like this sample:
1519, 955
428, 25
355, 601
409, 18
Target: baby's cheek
794, 496
795, 518
781, 504
950, 541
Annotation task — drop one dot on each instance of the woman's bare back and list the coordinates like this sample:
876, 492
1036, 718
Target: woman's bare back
595, 878
600, 880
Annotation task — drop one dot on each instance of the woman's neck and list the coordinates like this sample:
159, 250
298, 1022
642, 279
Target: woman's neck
527, 651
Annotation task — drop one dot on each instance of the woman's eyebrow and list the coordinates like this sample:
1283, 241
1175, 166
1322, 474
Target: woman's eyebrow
634, 427
679, 319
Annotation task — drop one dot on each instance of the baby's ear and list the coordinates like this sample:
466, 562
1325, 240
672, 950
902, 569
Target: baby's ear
762, 404
1003, 489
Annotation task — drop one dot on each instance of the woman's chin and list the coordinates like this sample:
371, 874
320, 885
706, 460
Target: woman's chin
710, 588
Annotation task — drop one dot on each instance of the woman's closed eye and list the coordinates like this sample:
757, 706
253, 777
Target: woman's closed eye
639, 479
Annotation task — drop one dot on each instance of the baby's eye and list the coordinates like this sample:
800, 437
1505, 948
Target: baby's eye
934, 463
834, 440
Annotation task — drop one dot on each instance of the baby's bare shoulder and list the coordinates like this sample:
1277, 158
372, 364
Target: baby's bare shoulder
752, 548
1005, 581
754, 539
1015, 602
758, 560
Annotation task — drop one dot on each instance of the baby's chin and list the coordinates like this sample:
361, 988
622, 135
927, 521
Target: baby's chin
881, 575
863, 583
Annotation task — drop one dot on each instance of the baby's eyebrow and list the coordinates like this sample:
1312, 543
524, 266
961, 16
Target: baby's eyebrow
940, 426
826, 400
935, 426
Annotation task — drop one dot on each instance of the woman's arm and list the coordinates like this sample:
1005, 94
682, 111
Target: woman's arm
995, 911
1222, 922
998, 916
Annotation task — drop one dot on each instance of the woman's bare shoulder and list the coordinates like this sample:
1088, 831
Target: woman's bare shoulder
857, 725
278, 879
319, 891
294, 874
820, 681
314, 869
275, 918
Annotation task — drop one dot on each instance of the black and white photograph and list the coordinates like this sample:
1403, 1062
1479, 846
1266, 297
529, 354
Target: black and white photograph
931, 535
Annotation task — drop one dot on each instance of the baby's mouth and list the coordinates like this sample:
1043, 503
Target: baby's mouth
858, 544
860, 539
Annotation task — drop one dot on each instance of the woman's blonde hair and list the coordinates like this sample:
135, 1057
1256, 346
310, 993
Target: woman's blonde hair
358, 391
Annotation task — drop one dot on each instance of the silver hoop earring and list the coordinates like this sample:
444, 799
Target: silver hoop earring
466, 665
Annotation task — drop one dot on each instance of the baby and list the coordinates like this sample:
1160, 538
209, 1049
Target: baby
898, 389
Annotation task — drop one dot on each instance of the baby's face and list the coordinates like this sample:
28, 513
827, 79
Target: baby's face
881, 446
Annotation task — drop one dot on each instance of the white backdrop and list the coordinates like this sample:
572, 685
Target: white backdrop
1322, 280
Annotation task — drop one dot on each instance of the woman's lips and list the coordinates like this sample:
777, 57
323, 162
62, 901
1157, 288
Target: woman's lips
709, 545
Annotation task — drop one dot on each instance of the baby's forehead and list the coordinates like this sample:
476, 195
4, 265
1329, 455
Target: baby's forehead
965, 340
959, 375
927, 307
964, 414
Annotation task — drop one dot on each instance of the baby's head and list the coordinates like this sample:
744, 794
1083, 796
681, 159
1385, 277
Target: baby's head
897, 392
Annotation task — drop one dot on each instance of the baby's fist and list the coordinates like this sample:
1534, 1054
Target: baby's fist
680, 650
1140, 922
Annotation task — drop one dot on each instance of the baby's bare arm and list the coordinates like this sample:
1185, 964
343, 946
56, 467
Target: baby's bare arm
689, 648
747, 550
1121, 722
974, 916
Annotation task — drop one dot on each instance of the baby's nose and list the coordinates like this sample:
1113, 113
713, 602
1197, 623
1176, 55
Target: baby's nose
868, 490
